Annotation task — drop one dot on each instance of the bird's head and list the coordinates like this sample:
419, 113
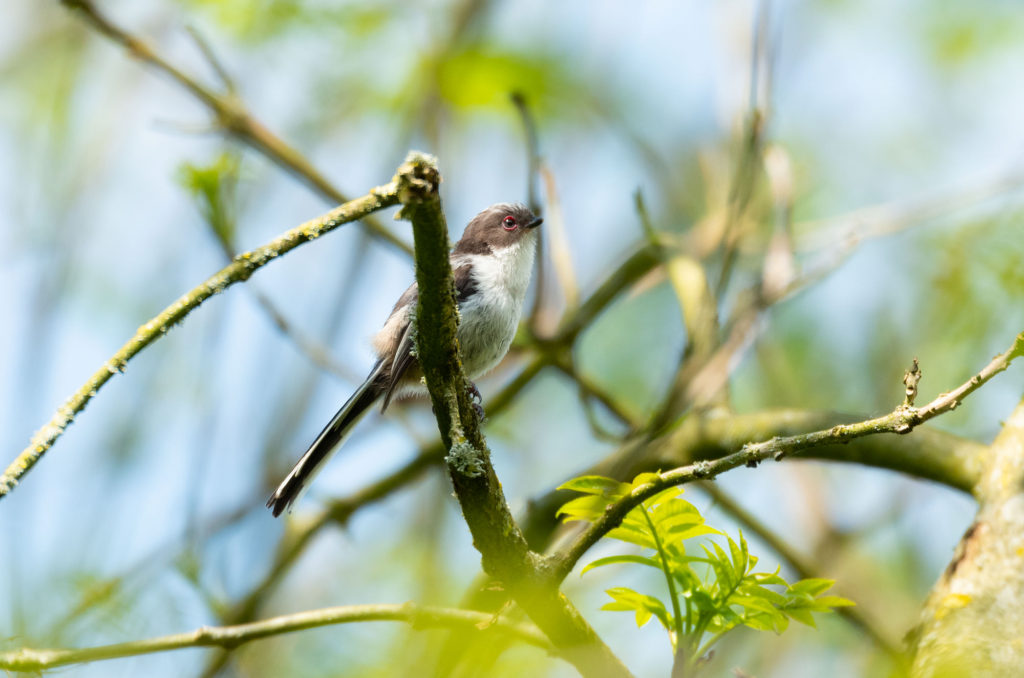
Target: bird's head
498, 227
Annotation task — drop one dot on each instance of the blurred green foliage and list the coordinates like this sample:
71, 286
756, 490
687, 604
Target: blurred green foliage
617, 109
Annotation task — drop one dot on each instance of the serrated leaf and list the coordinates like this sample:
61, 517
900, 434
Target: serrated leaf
616, 560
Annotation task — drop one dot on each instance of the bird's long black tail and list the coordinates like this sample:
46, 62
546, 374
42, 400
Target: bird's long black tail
326, 444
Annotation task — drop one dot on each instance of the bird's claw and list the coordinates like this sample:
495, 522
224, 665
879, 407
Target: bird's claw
477, 400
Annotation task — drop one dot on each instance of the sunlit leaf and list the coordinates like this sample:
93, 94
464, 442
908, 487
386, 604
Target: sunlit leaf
616, 560
802, 615
644, 605
596, 485
811, 587
588, 507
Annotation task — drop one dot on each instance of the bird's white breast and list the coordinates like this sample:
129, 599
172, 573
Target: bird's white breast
490, 316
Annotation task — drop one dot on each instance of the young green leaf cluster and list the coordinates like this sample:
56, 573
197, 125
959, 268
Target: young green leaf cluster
711, 592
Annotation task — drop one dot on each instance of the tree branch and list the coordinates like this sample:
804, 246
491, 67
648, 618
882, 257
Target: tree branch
243, 266
230, 114
902, 420
495, 534
972, 620
29, 659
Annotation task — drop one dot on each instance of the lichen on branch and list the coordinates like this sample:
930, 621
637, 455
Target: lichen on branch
239, 270
503, 549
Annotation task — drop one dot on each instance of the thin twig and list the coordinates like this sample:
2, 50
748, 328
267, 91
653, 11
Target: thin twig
295, 543
589, 391
29, 659
533, 202
239, 270
844, 231
532, 150
902, 420
231, 115
561, 253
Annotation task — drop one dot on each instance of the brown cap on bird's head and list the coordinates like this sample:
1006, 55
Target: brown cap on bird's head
496, 227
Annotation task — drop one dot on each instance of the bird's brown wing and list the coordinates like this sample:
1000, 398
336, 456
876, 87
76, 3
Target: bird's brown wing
404, 355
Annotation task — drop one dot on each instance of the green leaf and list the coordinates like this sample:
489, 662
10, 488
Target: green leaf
834, 601
213, 188
645, 478
769, 578
802, 615
702, 600
632, 535
607, 487
724, 575
755, 604
644, 606
739, 554
616, 560
683, 532
811, 587
587, 507
776, 622
750, 588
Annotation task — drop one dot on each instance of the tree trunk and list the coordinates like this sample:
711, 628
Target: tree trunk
973, 621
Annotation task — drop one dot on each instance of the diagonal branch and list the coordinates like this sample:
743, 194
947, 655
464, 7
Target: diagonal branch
230, 114
901, 420
239, 270
35, 660
502, 546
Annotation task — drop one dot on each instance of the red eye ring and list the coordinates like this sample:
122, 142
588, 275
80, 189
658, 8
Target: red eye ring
509, 223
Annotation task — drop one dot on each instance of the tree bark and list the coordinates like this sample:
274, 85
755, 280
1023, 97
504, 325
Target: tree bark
973, 621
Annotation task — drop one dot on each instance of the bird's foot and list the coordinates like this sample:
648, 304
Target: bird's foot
474, 395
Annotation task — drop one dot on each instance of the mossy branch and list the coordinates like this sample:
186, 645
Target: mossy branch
34, 660
503, 548
239, 270
901, 420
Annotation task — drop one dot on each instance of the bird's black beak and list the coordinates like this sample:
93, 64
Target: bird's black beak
535, 223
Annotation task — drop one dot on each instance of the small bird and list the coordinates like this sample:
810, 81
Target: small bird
492, 265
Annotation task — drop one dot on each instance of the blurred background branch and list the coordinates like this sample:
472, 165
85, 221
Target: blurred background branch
33, 660
776, 240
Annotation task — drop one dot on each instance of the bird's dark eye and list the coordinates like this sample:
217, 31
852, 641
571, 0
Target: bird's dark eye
509, 223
